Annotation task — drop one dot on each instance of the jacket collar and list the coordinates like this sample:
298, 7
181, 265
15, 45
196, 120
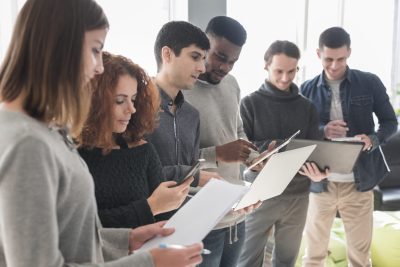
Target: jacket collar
166, 100
322, 81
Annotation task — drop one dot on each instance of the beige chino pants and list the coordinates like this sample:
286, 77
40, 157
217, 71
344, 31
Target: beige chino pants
356, 211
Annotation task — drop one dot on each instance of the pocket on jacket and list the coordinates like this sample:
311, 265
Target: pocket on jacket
361, 113
361, 101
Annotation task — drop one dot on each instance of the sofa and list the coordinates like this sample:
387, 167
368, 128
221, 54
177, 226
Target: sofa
387, 193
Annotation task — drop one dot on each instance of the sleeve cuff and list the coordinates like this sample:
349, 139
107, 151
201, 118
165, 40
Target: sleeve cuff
374, 140
115, 242
210, 155
250, 175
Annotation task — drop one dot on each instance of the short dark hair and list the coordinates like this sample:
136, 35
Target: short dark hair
334, 37
230, 29
282, 47
177, 35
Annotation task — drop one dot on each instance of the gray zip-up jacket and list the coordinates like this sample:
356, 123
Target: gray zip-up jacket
177, 137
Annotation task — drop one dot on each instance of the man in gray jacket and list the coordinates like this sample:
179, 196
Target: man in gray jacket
180, 50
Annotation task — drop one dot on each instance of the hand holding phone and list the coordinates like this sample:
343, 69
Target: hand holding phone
195, 168
168, 196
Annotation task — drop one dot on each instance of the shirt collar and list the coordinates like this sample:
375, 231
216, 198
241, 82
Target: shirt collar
166, 100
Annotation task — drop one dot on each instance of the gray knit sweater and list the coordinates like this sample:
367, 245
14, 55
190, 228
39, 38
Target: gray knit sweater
220, 123
48, 214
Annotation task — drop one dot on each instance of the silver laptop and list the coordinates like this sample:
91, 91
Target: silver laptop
339, 157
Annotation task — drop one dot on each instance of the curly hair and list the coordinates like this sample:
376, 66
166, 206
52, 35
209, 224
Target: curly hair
98, 128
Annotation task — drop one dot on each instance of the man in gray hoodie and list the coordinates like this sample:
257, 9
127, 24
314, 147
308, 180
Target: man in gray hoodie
274, 112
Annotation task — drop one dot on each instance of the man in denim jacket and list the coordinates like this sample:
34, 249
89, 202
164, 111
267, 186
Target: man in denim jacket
346, 100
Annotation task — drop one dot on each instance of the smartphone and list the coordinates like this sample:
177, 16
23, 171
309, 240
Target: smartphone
192, 170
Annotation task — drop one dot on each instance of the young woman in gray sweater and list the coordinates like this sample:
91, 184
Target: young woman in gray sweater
48, 213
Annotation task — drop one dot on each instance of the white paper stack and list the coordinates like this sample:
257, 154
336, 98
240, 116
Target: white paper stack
198, 216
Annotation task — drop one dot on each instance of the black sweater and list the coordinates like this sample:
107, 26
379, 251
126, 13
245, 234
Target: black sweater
271, 114
124, 179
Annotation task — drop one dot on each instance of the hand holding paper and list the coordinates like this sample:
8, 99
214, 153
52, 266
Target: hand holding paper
182, 257
139, 235
192, 214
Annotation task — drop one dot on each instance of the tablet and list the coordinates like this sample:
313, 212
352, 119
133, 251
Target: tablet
276, 149
339, 157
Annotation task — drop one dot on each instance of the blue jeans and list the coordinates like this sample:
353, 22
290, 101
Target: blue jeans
223, 254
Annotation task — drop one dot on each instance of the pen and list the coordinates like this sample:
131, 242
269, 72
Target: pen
204, 251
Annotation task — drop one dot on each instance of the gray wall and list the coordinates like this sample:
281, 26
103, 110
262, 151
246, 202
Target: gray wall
201, 11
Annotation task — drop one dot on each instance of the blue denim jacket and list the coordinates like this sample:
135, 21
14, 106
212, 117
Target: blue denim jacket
361, 94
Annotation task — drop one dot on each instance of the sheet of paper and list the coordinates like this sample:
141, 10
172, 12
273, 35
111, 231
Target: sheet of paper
200, 214
276, 175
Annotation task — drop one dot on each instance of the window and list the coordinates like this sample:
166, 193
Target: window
8, 14
133, 29
302, 21
133, 26
264, 23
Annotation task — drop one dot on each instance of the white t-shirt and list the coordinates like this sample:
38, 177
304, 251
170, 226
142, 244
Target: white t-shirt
336, 113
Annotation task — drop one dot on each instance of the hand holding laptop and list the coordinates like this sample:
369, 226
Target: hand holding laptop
311, 170
366, 140
247, 209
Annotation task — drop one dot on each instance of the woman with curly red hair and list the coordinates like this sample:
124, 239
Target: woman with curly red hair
129, 186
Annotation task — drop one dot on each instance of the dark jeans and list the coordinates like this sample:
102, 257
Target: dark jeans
223, 254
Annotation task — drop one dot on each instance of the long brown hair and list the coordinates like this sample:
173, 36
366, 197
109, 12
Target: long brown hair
45, 60
98, 129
